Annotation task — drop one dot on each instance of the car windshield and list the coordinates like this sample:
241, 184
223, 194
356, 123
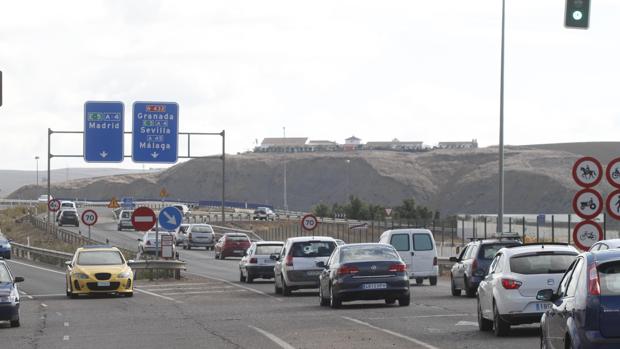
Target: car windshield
99, 258
126, 214
267, 249
368, 253
202, 229
313, 248
541, 263
237, 238
66, 204
4, 274
488, 251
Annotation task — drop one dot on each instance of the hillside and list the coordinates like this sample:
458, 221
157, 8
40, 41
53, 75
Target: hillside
452, 181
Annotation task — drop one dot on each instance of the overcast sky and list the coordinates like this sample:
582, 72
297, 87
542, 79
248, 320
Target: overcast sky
413, 70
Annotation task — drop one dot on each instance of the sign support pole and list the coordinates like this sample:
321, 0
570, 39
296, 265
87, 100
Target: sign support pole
223, 173
156, 239
49, 188
89, 238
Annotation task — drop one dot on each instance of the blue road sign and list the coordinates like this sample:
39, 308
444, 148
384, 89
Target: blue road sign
170, 218
155, 132
127, 202
103, 131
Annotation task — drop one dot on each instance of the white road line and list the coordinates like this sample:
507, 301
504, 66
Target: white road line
420, 316
169, 285
273, 338
45, 295
34, 266
188, 288
200, 292
44, 305
233, 284
395, 334
66, 324
466, 323
66, 338
157, 295
59, 314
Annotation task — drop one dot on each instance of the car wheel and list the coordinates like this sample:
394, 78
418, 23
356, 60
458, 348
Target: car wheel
130, 294
419, 281
334, 301
404, 301
277, 290
249, 279
189, 247
286, 291
433, 280
322, 301
483, 324
455, 291
15, 323
241, 277
500, 327
184, 247
119, 228
469, 291
390, 301
222, 257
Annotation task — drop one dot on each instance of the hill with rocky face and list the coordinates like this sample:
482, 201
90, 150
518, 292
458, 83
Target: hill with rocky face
451, 181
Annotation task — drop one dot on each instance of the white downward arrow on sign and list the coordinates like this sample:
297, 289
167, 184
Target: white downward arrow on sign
171, 219
154, 155
103, 154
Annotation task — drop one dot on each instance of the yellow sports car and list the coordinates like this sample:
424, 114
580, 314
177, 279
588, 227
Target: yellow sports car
98, 269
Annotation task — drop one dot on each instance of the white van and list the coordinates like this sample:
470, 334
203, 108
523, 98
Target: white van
417, 249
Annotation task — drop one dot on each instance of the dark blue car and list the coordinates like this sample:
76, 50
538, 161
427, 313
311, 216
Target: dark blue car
5, 248
586, 306
9, 296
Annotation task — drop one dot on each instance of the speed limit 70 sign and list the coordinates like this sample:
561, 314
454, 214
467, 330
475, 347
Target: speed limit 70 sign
89, 217
309, 222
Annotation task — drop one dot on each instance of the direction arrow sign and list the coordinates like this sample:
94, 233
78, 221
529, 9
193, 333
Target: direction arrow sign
155, 132
587, 233
89, 217
309, 222
53, 205
143, 219
588, 203
103, 131
587, 172
170, 218
613, 204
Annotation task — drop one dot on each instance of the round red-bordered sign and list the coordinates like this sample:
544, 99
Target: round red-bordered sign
53, 205
143, 219
584, 174
612, 172
89, 217
587, 203
613, 207
309, 222
586, 234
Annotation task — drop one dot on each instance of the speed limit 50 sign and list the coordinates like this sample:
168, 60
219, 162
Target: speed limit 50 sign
309, 222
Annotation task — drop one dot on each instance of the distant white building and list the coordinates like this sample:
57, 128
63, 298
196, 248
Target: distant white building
323, 146
352, 143
395, 145
284, 145
458, 145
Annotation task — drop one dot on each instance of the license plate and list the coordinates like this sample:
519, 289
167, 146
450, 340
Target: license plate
374, 286
313, 273
543, 306
268, 261
103, 283
238, 251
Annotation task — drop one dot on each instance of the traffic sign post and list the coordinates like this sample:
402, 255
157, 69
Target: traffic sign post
587, 172
170, 218
166, 246
155, 132
613, 204
613, 173
587, 233
89, 218
53, 205
309, 222
588, 203
103, 131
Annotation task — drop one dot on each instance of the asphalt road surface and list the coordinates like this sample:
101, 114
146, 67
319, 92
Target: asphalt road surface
211, 309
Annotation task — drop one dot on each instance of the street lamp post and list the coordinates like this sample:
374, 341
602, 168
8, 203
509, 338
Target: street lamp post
285, 200
37, 160
500, 213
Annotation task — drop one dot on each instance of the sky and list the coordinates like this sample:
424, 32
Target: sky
412, 70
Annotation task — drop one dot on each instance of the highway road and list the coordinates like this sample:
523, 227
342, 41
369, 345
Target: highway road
211, 309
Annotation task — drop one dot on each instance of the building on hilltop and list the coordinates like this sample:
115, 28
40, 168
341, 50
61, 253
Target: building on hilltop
323, 146
395, 145
283, 145
352, 143
458, 145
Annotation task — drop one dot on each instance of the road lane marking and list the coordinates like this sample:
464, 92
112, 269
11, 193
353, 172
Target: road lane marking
395, 334
169, 285
466, 323
36, 267
189, 288
200, 292
420, 316
236, 285
157, 295
58, 314
44, 305
66, 324
46, 295
66, 338
273, 338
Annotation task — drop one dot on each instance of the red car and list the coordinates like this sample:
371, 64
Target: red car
232, 244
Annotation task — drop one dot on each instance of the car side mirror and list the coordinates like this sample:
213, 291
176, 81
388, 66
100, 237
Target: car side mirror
18, 279
274, 257
130, 261
245, 253
139, 239
545, 295
68, 263
320, 264
454, 259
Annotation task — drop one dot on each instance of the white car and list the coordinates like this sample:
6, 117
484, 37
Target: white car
418, 250
257, 262
605, 245
507, 295
43, 198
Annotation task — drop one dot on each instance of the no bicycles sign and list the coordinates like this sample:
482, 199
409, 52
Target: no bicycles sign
587, 233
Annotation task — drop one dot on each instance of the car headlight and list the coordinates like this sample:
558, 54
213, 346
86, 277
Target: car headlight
80, 276
124, 275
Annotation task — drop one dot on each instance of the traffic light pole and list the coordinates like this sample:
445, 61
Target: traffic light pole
500, 213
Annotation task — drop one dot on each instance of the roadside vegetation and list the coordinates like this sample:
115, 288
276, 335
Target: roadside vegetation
361, 210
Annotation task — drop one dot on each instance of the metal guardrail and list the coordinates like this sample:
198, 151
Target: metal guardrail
154, 269
40, 254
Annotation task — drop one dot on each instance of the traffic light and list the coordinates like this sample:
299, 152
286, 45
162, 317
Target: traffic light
577, 14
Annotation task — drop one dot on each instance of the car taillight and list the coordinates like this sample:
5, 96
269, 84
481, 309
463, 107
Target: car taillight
346, 270
510, 284
253, 260
594, 285
189, 236
399, 268
474, 266
289, 260
434, 261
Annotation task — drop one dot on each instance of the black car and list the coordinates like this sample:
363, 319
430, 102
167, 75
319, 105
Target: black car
363, 272
473, 263
9, 296
68, 218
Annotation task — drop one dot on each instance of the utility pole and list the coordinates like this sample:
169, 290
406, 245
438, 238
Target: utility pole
285, 201
500, 213
37, 160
